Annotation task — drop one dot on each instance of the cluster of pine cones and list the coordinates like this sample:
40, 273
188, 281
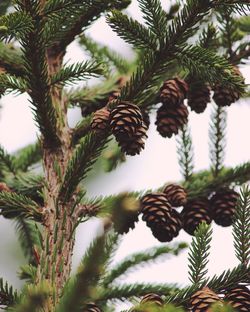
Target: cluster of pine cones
165, 222
237, 297
159, 213
126, 122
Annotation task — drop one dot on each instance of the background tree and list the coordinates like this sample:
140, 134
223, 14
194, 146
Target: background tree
177, 64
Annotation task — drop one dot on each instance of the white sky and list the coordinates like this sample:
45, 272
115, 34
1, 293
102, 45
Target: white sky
156, 165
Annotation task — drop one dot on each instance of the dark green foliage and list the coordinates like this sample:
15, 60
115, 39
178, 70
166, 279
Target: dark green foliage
241, 227
8, 296
14, 205
7, 163
4, 6
28, 156
85, 155
217, 133
185, 152
199, 253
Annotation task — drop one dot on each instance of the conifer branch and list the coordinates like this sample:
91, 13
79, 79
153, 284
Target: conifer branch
13, 205
82, 129
7, 162
4, 6
185, 152
10, 83
28, 156
28, 237
227, 279
8, 296
199, 253
76, 72
125, 291
141, 258
79, 287
36, 67
241, 227
132, 31
85, 155
11, 60
217, 134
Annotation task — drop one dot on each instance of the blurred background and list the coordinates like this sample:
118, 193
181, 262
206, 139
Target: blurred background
156, 165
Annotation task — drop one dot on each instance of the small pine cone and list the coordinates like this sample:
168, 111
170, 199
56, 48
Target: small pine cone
202, 300
194, 212
135, 144
223, 206
169, 120
152, 298
170, 230
173, 92
100, 121
225, 96
176, 195
125, 213
91, 307
199, 97
239, 298
125, 119
158, 214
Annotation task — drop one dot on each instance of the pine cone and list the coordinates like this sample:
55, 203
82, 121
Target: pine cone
91, 307
125, 213
223, 206
176, 195
135, 144
125, 119
198, 97
100, 121
194, 212
165, 223
239, 298
202, 300
169, 120
4, 187
152, 298
225, 96
173, 92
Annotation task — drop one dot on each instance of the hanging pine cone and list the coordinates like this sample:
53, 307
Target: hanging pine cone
173, 92
176, 195
125, 213
125, 119
152, 298
202, 300
223, 206
170, 119
135, 144
194, 212
100, 121
165, 223
225, 96
198, 97
91, 307
239, 298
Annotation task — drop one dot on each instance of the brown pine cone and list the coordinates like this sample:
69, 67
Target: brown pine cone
223, 206
176, 195
225, 96
165, 223
4, 187
91, 307
125, 119
152, 298
194, 212
170, 119
198, 97
202, 300
135, 144
173, 92
100, 121
239, 298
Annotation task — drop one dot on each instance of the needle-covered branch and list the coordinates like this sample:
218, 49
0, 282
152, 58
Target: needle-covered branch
8, 296
241, 227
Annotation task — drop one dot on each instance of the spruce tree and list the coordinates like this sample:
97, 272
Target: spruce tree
185, 58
